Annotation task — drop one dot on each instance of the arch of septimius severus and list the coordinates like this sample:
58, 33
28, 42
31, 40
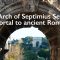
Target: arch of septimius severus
39, 6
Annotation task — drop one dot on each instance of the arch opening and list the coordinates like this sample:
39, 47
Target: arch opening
27, 44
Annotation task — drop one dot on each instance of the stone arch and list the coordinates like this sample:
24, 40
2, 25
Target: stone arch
49, 31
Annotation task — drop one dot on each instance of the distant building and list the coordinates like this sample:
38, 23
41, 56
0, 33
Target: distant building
36, 40
37, 44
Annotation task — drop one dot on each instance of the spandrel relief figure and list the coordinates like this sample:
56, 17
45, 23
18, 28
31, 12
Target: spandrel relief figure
1, 4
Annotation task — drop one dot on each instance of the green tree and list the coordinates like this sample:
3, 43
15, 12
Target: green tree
28, 53
44, 53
